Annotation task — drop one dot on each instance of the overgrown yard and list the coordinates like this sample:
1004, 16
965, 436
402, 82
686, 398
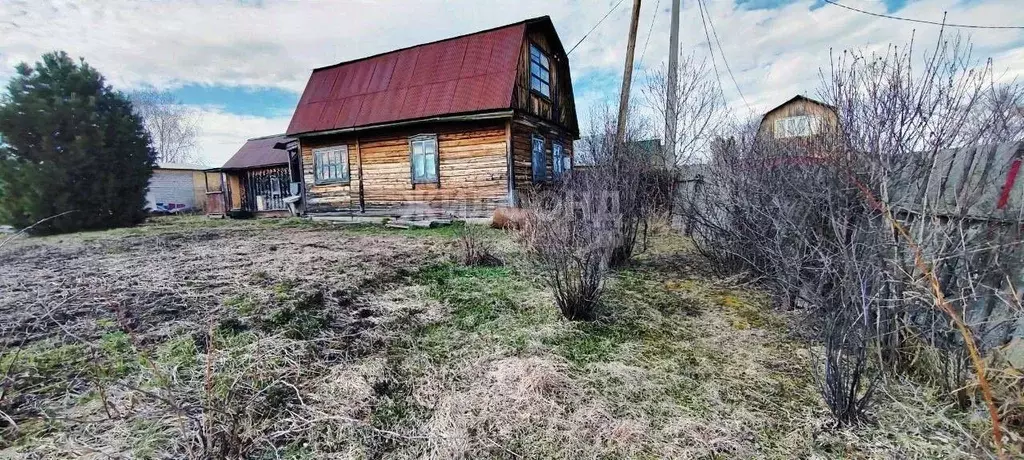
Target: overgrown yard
287, 339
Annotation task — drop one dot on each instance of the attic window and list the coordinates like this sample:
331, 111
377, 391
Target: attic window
798, 126
540, 71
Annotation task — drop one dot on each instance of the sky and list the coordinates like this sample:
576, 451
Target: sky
243, 64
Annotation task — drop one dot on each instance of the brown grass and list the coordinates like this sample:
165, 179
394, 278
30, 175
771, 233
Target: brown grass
417, 357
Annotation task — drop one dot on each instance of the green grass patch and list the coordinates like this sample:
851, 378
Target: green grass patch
491, 307
120, 357
148, 438
243, 304
299, 315
179, 352
591, 342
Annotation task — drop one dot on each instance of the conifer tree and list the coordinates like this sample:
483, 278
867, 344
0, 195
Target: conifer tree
70, 142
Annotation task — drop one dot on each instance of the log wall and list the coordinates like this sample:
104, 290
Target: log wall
523, 129
472, 177
559, 107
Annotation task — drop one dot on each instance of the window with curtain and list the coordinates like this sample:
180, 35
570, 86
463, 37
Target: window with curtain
423, 153
540, 172
540, 71
330, 164
798, 126
557, 159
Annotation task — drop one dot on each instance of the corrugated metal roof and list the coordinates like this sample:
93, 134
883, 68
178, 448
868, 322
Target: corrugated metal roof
258, 152
469, 73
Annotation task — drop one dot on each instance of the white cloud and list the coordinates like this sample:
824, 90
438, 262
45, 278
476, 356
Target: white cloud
224, 133
773, 53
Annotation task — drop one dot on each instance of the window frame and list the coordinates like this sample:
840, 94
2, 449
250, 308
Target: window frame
543, 171
344, 176
545, 66
811, 123
412, 159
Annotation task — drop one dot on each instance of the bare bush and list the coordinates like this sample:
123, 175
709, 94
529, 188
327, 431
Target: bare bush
844, 382
571, 238
632, 175
475, 247
592, 218
892, 215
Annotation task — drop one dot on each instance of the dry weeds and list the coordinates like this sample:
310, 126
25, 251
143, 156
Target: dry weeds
356, 343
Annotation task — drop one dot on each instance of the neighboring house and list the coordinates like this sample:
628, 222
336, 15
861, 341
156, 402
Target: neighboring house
454, 127
257, 178
176, 187
797, 118
588, 149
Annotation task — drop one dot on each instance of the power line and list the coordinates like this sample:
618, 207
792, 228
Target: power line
722, 53
649, 31
920, 21
710, 49
595, 27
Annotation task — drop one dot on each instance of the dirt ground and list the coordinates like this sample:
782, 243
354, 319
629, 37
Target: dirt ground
189, 338
63, 285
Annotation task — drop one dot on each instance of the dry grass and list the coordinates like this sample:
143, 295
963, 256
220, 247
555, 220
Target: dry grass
360, 343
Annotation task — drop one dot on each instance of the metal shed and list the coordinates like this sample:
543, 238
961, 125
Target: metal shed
176, 187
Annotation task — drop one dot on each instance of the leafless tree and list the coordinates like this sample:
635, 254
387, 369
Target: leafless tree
700, 111
643, 186
1000, 115
174, 126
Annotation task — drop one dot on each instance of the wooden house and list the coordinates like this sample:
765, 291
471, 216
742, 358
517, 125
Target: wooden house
453, 128
797, 118
256, 180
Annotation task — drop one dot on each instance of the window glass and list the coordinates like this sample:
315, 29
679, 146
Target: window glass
423, 150
540, 71
330, 164
539, 165
557, 160
798, 126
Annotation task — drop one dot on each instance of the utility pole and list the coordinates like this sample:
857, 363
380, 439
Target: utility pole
671, 91
627, 77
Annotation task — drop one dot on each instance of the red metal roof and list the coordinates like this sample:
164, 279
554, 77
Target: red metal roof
258, 152
470, 73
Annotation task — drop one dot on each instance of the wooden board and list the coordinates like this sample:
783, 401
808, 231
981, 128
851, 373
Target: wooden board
472, 166
523, 130
559, 107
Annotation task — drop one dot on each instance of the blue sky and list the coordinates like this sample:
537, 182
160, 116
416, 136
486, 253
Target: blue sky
243, 63
240, 100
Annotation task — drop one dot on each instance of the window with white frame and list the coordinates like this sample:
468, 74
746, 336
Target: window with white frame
557, 160
423, 156
330, 164
798, 126
540, 71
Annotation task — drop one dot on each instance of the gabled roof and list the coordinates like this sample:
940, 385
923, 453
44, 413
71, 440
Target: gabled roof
798, 97
259, 151
465, 74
